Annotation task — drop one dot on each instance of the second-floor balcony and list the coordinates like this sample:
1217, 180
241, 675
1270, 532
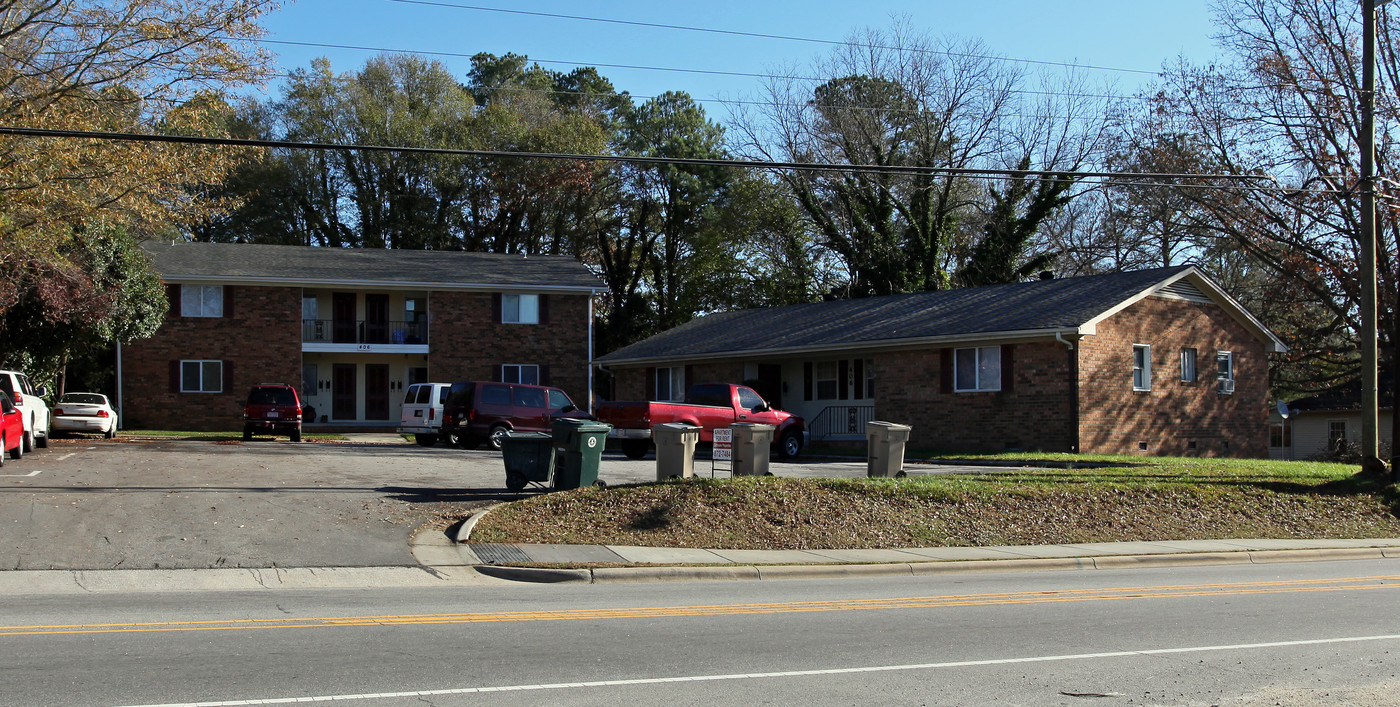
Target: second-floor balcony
362, 331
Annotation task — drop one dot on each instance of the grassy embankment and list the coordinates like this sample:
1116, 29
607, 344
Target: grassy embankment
1135, 499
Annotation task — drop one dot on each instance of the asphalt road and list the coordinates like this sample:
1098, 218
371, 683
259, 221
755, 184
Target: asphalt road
1303, 633
97, 504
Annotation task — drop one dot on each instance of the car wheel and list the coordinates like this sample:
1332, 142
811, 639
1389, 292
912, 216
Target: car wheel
43, 442
247, 434
16, 453
636, 449
296, 435
27, 441
425, 440
790, 446
112, 432
2, 450
498, 433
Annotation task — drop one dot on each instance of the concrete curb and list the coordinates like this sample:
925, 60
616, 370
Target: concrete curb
464, 531
779, 572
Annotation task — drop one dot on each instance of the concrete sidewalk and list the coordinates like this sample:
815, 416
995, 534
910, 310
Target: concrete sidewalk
599, 563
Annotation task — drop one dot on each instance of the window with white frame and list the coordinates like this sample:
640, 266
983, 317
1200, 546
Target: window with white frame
670, 383
869, 379
1336, 435
1142, 367
529, 374
201, 300
520, 309
977, 369
826, 380
1225, 371
201, 376
1188, 365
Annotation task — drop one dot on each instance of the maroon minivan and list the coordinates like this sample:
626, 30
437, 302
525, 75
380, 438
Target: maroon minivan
477, 412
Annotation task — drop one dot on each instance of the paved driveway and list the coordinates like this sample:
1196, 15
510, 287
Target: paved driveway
96, 504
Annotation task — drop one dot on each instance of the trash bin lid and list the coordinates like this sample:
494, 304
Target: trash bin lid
512, 434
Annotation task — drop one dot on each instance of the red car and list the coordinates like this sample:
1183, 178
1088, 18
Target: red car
11, 429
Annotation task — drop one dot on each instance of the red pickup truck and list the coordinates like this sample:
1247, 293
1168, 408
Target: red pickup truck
707, 406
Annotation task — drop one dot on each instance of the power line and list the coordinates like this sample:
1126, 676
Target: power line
633, 67
1053, 175
762, 35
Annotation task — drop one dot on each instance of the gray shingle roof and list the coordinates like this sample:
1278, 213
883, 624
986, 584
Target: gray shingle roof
1041, 305
293, 265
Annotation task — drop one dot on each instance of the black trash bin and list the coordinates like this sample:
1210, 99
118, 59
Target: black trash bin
529, 457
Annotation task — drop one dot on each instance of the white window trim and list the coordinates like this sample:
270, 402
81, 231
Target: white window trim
1189, 365
982, 386
1225, 383
834, 380
1146, 367
186, 296
519, 369
202, 363
520, 300
672, 375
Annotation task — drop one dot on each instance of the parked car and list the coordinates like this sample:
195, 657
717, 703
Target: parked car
11, 429
707, 406
84, 412
477, 412
421, 415
272, 408
30, 401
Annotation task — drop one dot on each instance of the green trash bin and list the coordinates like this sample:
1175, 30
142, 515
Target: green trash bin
529, 456
579, 447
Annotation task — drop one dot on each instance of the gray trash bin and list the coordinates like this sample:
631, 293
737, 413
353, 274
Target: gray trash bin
675, 450
752, 448
884, 455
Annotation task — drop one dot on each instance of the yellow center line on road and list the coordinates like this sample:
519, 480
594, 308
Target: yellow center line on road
896, 603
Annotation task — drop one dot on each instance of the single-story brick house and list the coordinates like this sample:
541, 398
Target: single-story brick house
1156, 361
353, 327
1317, 424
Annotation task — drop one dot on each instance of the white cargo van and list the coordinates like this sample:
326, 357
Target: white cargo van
422, 412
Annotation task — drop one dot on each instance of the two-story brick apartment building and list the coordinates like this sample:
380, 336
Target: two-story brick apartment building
1150, 362
352, 327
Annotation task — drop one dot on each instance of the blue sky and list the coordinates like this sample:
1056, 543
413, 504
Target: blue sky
1128, 34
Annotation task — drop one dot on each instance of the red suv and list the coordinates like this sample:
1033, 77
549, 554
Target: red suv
273, 408
478, 412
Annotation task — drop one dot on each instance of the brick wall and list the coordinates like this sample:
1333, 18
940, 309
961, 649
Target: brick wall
468, 342
1036, 413
258, 339
1173, 418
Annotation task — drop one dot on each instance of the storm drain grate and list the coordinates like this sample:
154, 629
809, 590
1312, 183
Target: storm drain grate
492, 553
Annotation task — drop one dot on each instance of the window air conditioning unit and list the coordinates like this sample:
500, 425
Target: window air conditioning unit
1227, 385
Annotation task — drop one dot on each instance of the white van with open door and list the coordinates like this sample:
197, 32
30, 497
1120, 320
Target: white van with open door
422, 412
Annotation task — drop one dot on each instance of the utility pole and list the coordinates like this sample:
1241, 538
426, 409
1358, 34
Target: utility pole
1370, 384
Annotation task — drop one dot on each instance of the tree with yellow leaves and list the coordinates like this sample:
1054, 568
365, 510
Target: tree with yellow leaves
136, 66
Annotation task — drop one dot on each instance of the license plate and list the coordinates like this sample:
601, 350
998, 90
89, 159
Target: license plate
273, 414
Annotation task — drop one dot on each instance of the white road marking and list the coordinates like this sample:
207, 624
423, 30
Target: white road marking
786, 674
66, 456
32, 473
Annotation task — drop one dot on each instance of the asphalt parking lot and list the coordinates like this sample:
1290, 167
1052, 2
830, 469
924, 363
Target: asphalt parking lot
141, 504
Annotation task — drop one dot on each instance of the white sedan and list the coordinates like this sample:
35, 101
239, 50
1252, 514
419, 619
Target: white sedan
84, 412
